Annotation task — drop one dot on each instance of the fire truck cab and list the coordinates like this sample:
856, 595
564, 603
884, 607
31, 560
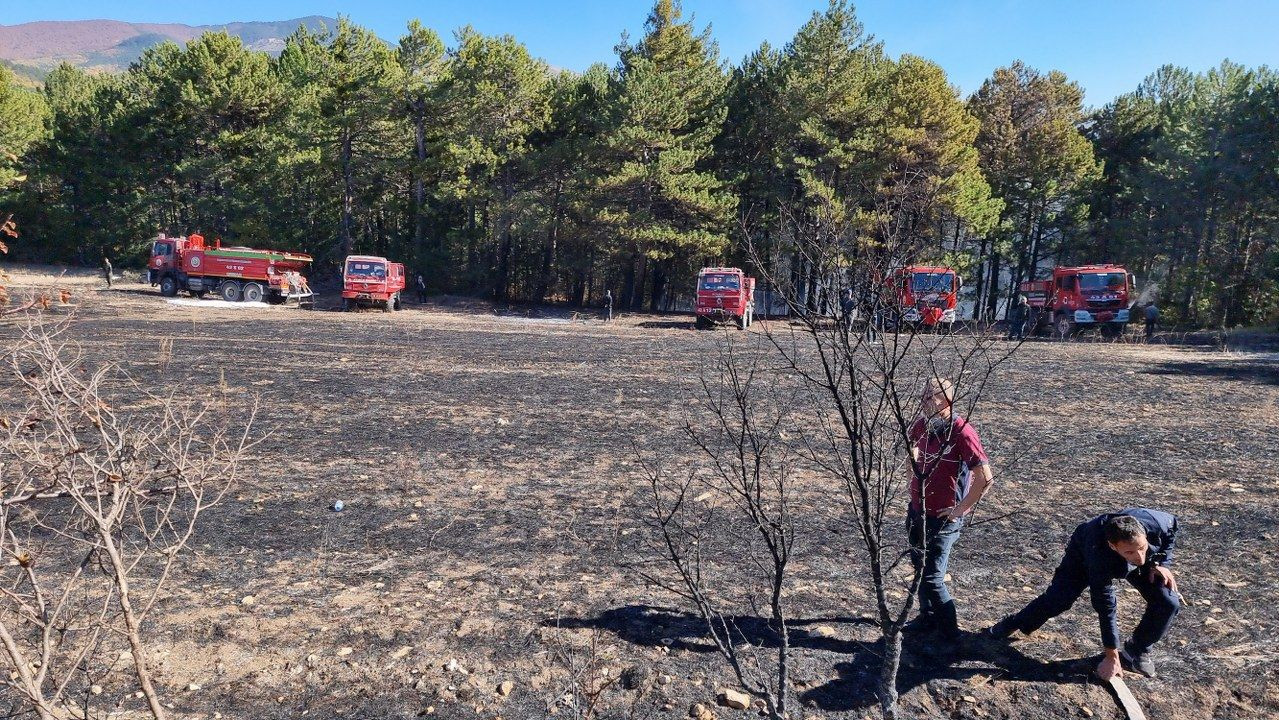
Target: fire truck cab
1083, 297
725, 294
368, 280
925, 296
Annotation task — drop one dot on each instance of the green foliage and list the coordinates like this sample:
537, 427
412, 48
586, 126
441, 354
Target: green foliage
491, 174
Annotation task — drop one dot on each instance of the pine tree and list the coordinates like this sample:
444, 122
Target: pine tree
663, 201
1037, 161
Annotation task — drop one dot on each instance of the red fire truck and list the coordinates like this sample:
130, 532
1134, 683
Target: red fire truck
1078, 298
234, 273
725, 294
368, 280
924, 296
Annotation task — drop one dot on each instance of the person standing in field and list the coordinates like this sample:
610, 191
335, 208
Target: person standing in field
1152, 317
950, 474
1017, 316
107, 270
421, 289
846, 306
608, 305
1135, 544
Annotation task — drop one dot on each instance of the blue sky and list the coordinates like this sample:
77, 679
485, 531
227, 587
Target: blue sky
1107, 46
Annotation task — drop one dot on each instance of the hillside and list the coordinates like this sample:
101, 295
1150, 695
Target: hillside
111, 45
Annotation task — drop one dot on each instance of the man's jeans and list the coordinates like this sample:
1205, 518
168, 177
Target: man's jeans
936, 537
1069, 582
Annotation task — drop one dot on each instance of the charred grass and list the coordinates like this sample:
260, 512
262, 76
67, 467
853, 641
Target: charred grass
487, 467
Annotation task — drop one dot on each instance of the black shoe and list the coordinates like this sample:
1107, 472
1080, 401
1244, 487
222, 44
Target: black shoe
948, 622
923, 624
1141, 664
1001, 630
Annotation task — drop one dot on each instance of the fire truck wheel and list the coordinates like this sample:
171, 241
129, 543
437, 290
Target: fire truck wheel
199, 293
700, 323
168, 286
1110, 331
347, 305
230, 291
252, 292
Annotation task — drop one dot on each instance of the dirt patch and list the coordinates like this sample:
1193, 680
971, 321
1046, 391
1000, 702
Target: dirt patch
485, 466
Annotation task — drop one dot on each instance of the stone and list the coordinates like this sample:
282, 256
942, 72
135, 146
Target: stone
733, 699
505, 688
343, 652
248, 600
700, 712
664, 679
824, 631
401, 653
193, 686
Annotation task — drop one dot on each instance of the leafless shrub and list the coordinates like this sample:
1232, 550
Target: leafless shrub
738, 505
97, 504
860, 379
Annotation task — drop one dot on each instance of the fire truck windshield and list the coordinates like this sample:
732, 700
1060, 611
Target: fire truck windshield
360, 268
718, 282
932, 282
1101, 281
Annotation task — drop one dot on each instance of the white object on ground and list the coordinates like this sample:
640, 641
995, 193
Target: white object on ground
193, 302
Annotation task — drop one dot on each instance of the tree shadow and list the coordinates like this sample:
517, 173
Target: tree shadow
651, 626
1255, 371
854, 689
667, 324
927, 660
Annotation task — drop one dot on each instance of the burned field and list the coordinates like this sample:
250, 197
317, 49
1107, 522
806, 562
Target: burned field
488, 469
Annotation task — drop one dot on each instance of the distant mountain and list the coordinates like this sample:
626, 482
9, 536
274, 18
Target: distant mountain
32, 49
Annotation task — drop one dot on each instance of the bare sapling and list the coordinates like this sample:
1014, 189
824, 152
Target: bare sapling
722, 531
862, 361
102, 486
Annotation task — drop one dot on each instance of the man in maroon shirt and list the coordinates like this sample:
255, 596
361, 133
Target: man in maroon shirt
949, 475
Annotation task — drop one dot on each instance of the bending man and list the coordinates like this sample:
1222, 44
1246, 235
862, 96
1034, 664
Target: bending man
950, 474
1135, 544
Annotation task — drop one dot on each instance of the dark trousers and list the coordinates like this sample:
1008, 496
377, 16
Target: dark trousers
106, 273
1069, 582
1150, 329
1017, 329
421, 295
931, 541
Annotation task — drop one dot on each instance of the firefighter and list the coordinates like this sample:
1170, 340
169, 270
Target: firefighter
421, 289
608, 305
1135, 544
1152, 317
1017, 316
107, 270
950, 474
846, 305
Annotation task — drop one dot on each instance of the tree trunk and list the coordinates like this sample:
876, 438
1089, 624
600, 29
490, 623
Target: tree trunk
550, 252
888, 674
419, 190
659, 287
348, 195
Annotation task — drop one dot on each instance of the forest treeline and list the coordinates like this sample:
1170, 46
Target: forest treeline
492, 174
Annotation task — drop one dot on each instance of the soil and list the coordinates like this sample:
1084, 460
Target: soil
487, 464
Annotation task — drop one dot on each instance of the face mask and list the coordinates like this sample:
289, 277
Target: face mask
938, 425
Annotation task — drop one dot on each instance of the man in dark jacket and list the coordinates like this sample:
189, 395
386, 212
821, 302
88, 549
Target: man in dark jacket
107, 270
1017, 316
1136, 544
